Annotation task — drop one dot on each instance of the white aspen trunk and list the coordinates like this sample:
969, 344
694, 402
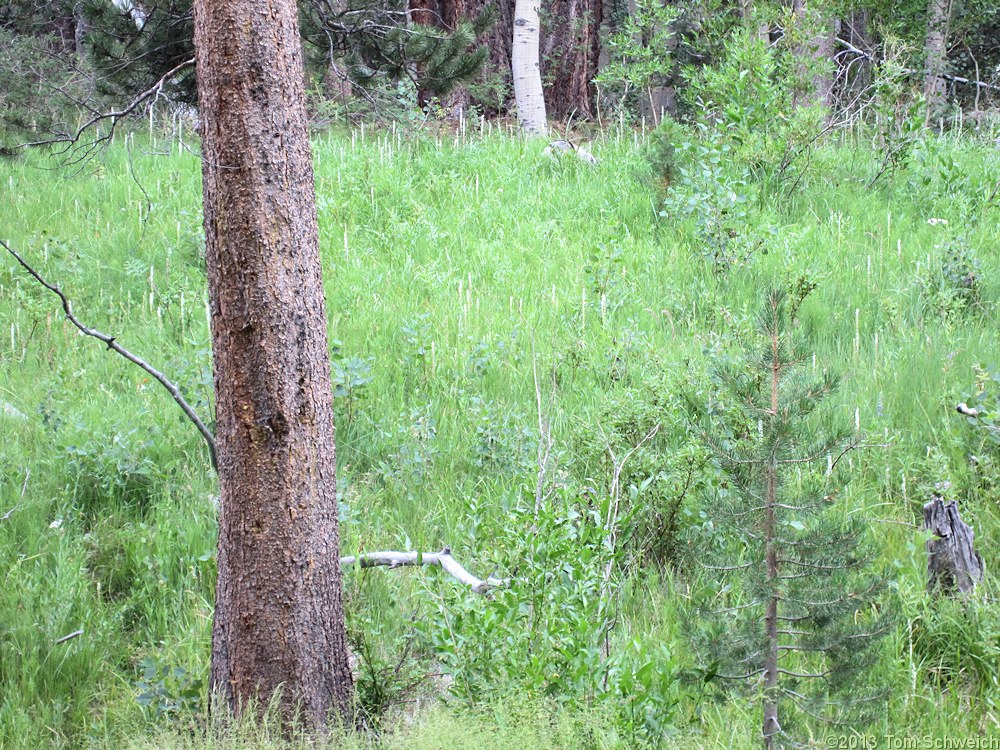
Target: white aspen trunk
128, 6
525, 69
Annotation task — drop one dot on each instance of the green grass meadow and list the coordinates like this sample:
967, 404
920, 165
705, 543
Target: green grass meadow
468, 278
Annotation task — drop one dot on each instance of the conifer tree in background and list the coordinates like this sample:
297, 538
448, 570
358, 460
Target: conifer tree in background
130, 53
376, 44
38, 90
805, 620
371, 41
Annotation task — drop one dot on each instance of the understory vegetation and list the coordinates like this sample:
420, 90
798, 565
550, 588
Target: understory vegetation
526, 353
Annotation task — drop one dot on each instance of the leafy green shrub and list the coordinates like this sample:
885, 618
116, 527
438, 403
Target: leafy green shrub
503, 441
351, 376
411, 447
982, 442
899, 110
951, 283
604, 272
391, 666
746, 97
661, 474
548, 632
942, 178
716, 195
742, 90
118, 473
543, 633
984, 400
169, 692
640, 56
419, 342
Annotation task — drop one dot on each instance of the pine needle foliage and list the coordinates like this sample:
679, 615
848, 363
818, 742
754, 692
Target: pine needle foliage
373, 41
377, 44
132, 49
804, 615
41, 83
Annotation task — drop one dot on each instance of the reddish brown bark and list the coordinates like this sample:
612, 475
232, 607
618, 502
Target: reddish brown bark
499, 39
571, 48
279, 620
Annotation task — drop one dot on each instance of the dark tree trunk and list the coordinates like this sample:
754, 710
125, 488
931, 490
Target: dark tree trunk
496, 72
952, 560
936, 51
855, 69
818, 89
279, 620
571, 50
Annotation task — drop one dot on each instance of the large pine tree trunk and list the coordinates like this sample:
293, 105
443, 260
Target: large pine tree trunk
571, 50
279, 620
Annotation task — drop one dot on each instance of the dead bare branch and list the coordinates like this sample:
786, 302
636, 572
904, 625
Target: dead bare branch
115, 346
24, 488
114, 116
69, 636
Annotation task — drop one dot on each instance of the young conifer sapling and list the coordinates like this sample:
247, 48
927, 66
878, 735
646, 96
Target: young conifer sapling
805, 619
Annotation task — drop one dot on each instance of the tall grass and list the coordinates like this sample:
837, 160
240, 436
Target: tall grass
454, 272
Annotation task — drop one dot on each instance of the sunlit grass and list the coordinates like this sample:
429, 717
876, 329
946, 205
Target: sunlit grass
456, 271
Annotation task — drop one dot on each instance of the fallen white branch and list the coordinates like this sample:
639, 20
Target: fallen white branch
442, 559
69, 637
966, 410
12, 411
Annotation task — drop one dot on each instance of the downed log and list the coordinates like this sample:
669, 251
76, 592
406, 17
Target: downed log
442, 559
952, 561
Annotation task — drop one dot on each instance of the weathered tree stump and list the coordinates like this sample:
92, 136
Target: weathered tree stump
952, 561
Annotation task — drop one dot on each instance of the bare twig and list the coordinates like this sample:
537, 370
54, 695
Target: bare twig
616, 479
69, 637
114, 115
24, 487
442, 559
115, 346
545, 440
612, 522
848, 47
